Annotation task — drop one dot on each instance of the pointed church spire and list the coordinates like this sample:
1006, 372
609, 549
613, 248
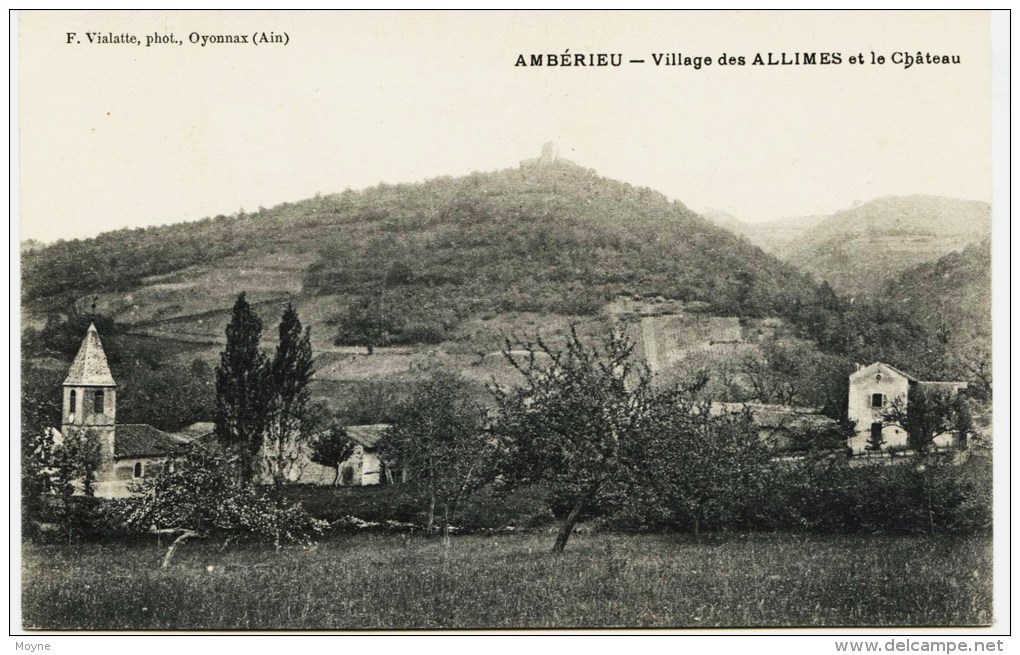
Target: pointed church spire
89, 367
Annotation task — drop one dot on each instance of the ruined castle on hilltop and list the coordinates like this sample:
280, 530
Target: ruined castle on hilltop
550, 157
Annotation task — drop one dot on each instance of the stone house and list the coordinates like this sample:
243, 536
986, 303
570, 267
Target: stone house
873, 390
362, 469
129, 452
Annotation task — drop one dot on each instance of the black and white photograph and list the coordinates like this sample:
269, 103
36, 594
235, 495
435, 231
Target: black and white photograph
509, 321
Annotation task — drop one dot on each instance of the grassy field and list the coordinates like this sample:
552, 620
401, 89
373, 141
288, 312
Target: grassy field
392, 582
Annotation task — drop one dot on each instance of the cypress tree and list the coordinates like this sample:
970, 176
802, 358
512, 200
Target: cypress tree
291, 372
243, 391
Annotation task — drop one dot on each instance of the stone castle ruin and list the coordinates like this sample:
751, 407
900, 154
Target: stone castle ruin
550, 157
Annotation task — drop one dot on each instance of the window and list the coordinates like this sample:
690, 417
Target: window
138, 469
97, 400
74, 401
876, 432
877, 399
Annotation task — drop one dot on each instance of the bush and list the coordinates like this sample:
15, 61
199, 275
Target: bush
832, 497
490, 508
900, 498
415, 332
197, 492
378, 503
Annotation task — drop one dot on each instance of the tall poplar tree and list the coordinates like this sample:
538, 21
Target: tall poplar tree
290, 421
243, 391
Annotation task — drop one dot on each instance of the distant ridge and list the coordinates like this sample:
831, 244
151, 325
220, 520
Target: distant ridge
860, 249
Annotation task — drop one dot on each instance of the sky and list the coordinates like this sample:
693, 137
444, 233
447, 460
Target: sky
115, 135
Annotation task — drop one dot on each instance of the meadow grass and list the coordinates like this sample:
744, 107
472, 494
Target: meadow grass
376, 582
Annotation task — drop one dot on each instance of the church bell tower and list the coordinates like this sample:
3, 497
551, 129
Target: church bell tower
90, 396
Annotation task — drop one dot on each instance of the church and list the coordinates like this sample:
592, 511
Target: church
129, 452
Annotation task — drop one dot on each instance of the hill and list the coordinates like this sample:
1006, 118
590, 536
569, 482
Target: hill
952, 296
450, 266
771, 236
776, 236
28, 245
861, 249
726, 221
556, 239
444, 270
954, 290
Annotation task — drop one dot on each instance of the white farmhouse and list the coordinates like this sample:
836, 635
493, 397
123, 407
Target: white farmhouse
873, 389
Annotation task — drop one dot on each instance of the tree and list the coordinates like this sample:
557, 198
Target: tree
290, 422
694, 468
40, 410
790, 371
61, 335
75, 461
243, 391
36, 467
740, 287
437, 436
169, 396
194, 497
926, 413
370, 401
974, 360
365, 323
573, 421
772, 375
332, 448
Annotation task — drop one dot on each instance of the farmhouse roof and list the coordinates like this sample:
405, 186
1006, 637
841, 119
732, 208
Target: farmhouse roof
89, 367
873, 365
953, 386
794, 421
775, 417
367, 435
933, 384
139, 440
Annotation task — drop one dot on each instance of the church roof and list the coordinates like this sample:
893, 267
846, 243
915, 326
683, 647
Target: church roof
139, 440
89, 366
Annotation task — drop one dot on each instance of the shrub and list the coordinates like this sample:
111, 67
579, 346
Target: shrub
197, 493
414, 332
491, 508
905, 497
